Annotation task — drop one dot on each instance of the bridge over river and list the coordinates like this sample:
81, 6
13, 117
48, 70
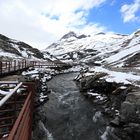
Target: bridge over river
16, 99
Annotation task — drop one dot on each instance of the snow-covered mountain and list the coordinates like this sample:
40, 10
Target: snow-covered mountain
10, 48
100, 49
113, 49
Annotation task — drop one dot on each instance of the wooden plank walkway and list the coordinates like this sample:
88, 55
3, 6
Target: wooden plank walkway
16, 109
8, 67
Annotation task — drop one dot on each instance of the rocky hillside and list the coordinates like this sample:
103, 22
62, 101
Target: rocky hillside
10, 48
17, 49
108, 49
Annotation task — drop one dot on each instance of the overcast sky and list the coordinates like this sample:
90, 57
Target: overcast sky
41, 22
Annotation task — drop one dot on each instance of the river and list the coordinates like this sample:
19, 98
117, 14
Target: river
70, 116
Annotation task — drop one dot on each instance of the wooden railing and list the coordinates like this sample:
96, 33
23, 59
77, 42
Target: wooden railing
7, 67
16, 110
47, 64
16, 100
14, 65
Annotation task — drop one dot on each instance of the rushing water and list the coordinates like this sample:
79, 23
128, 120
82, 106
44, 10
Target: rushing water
70, 116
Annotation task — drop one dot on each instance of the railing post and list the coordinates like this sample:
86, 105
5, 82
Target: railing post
34, 63
22, 63
19, 65
6, 64
9, 66
14, 65
0, 68
25, 63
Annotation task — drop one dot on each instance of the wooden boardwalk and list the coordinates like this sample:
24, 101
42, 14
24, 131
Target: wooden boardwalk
9, 67
16, 99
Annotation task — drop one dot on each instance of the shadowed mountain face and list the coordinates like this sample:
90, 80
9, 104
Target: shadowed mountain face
108, 49
73, 34
14, 48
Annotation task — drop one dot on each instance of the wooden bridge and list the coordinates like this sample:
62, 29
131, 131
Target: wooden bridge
9, 67
16, 100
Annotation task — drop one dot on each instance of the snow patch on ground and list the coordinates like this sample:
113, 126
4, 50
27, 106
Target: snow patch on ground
118, 77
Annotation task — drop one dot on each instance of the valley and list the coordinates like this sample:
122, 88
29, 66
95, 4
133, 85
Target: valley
96, 97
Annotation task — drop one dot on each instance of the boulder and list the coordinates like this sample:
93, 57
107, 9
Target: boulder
90, 82
130, 108
118, 96
115, 122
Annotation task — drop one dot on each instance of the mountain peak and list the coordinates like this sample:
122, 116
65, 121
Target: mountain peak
137, 33
68, 35
73, 34
100, 33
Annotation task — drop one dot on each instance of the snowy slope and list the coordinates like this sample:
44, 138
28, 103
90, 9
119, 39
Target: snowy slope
109, 49
10, 48
17, 49
127, 52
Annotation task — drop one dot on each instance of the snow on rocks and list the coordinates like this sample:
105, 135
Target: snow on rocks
118, 77
120, 103
2, 92
40, 78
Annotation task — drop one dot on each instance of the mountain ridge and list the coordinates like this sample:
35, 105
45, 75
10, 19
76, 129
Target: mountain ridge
101, 48
14, 49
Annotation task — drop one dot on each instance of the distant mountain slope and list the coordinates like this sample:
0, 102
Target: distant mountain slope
13, 48
129, 53
10, 49
109, 49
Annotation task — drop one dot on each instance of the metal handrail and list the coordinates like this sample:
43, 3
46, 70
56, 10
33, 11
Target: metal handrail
16, 124
7, 96
19, 120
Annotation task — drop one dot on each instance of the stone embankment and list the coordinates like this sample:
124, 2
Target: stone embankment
40, 79
119, 102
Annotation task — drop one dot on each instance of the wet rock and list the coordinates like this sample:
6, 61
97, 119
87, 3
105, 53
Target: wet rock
130, 109
40, 131
123, 105
91, 82
128, 112
130, 131
108, 134
115, 122
130, 117
118, 96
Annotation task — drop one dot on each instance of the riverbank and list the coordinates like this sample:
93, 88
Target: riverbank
119, 98
107, 111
